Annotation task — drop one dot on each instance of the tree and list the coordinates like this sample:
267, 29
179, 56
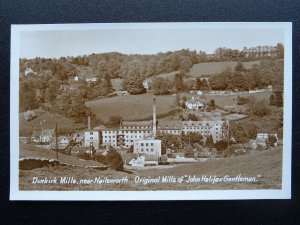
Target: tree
280, 50
160, 86
260, 108
236, 82
211, 104
192, 117
178, 82
209, 142
114, 160
114, 121
272, 100
28, 99
191, 138
221, 145
134, 85
239, 67
272, 140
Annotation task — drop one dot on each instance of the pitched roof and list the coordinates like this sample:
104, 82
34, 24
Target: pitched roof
170, 125
136, 123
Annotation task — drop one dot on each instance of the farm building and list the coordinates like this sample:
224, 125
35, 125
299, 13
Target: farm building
91, 79
44, 136
194, 104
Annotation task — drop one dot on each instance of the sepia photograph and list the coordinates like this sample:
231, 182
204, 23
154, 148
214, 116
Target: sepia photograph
143, 111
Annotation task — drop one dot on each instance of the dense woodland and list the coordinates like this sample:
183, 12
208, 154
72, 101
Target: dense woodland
50, 85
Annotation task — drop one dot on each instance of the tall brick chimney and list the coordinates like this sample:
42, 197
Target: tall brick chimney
154, 119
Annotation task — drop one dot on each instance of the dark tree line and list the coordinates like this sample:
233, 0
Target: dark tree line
269, 72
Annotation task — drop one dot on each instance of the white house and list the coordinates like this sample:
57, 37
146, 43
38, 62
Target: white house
194, 104
44, 136
28, 70
76, 78
146, 84
91, 79
144, 160
91, 139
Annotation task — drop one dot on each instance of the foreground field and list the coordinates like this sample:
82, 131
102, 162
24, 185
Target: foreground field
265, 167
30, 151
131, 107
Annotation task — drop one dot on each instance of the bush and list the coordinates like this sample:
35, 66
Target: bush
114, 160
242, 100
114, 121
221, 145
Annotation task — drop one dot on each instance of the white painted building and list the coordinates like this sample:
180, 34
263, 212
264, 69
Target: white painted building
205, 128
91, 139
148, 147
194, 104
127, 134
91, 79
28, 70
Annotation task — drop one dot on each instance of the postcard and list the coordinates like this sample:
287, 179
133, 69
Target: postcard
151, 111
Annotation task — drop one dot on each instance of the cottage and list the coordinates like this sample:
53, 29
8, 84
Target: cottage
45, 136
91, 79
194, 104
144, 160
62, 142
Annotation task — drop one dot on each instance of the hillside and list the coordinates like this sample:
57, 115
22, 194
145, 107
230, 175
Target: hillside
46, 120
210, 68
131, 107
32, 151
207, 68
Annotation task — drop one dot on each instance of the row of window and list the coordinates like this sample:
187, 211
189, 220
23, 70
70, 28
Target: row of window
128, 132
147, 144
141, 127
147, 150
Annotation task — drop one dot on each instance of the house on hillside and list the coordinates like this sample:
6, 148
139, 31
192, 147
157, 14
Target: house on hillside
91, 79
76, 78
29, 71
262, 140
194, 104
146, 84
29, 115
62, 142
44, 136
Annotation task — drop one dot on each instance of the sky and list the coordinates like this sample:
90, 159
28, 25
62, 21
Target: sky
59, 43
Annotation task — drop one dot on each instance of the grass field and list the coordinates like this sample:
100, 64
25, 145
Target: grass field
210, 68
46, 120
131, 107
222, 100
265, 166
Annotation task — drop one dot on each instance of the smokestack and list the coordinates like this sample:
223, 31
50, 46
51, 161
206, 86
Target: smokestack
89, 123
154, 119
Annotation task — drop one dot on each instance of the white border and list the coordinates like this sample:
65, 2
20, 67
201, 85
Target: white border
15, 194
